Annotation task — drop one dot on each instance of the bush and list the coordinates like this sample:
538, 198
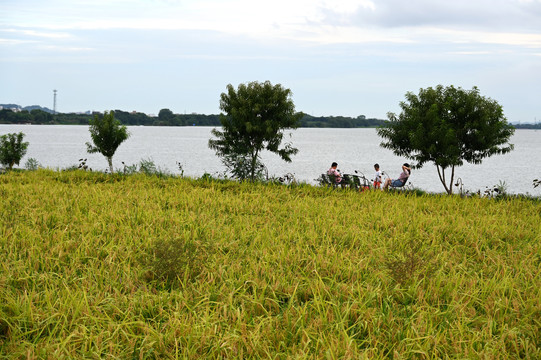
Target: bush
145, 166
31, 164
12, 149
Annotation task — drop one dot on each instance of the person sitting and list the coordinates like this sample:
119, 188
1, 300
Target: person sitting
402, 178
334, 173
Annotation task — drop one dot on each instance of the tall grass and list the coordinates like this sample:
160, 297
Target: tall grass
111, 266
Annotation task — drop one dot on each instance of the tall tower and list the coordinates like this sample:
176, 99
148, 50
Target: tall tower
54, 102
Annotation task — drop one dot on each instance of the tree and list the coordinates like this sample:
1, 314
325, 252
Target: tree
256, 115
12, 149
166, 117
447, 126
107, 134
41, 117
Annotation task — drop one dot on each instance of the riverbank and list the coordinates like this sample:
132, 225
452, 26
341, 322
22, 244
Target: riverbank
98, 265
61, 147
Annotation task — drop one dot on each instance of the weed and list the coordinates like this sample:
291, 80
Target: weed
180, 168
129, 169
148, 167
145, 166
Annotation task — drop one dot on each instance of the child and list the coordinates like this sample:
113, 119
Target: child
377, 177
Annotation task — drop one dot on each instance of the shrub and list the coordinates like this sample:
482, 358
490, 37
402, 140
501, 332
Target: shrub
12, 149
31, 164
145, 166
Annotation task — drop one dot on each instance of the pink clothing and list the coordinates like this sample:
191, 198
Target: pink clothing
404, 176
335, 173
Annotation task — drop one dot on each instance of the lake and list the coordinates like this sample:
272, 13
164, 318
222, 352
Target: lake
61, 146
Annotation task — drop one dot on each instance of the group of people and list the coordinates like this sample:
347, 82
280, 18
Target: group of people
399, 182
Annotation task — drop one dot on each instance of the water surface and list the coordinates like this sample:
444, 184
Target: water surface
60, 146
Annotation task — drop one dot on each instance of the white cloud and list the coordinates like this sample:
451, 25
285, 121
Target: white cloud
388, 45
15, 41
323, 21
36, 33
65, 48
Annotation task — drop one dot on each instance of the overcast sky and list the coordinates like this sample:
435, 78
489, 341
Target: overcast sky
339, 57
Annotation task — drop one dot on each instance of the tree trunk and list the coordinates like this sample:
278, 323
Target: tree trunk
441, 174
254, 162
452, 178
110, 161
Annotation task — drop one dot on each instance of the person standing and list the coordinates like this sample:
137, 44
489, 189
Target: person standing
377, 177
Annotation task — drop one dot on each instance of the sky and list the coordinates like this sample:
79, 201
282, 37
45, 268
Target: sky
338, 57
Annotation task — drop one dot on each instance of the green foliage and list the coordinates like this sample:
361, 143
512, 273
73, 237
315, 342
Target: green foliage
12, 149
41, 117
240, 167
145, 166
498, 191
447, 126
31, 164
107, 134
166, 116
256, 114
148, 167
338, 122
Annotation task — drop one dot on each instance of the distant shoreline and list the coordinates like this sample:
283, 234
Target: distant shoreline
38, 116
167, 118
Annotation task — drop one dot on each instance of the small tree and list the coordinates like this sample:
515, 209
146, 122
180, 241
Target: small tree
256, 114
447, 126
107, 134
12, 149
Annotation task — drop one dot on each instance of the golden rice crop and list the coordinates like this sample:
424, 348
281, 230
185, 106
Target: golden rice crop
261, 271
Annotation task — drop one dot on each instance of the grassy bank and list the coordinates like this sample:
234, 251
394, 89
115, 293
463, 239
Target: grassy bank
98, 266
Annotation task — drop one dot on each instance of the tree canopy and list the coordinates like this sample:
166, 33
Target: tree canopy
12, 149
254, 119
447, 126
107, 134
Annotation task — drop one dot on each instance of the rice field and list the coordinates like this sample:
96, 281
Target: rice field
101, 266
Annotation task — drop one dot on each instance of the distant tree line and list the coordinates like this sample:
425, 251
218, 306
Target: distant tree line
527, 126
167, 118
339, 122
8, 116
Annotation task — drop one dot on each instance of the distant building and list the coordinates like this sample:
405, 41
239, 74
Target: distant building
14, 108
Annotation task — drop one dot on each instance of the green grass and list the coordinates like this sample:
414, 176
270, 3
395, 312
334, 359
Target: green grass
99, 266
